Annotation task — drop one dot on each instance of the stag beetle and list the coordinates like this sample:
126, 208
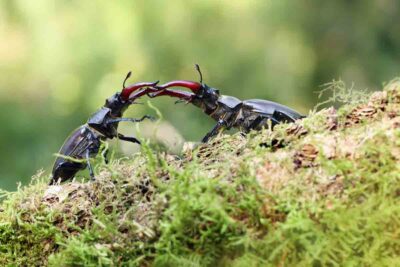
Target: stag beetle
85, 141
228, 111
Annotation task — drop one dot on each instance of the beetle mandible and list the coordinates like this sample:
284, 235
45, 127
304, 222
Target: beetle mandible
228, 111
85, 141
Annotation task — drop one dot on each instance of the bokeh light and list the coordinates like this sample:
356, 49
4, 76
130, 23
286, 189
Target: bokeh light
59, 60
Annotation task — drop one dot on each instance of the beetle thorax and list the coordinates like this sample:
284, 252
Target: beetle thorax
113, 108
98, 121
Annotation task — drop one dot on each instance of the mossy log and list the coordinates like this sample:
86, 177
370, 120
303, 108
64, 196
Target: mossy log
324, 191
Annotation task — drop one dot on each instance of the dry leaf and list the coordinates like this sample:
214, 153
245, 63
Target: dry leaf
360, 113
306, 156
296, 130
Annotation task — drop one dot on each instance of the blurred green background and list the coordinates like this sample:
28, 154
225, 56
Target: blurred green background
59, 60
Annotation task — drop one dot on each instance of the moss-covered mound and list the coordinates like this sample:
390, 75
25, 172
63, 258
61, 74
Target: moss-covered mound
324, 191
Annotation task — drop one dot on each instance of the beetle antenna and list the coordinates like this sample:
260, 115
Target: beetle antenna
199, 71
126, 78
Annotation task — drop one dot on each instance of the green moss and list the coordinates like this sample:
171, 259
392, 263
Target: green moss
321, 192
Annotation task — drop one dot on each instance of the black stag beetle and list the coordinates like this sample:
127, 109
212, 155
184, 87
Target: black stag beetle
228, 111
85, 142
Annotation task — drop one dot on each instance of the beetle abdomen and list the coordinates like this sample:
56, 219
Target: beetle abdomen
66, 170
270, 108
76, 145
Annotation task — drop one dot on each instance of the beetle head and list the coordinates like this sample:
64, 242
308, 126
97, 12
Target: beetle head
116, 104
206, 96
119, 102
202, 95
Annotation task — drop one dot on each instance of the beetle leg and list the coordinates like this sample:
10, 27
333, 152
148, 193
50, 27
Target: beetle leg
130, 119
128, 139
282, 117
89, 165
221, 124
259, 120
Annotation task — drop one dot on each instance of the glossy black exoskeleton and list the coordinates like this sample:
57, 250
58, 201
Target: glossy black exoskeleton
228, 111
85, 142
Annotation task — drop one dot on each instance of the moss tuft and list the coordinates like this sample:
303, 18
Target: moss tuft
322, 191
